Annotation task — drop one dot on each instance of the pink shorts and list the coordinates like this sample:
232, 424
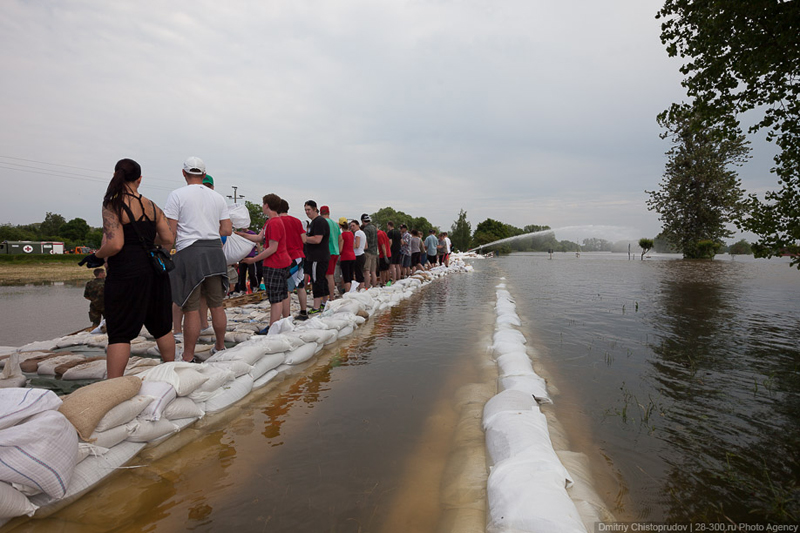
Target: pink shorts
332, 265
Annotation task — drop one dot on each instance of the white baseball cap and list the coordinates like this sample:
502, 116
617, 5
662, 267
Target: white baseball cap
194, 165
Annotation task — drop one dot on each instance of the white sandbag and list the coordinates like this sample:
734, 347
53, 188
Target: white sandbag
284, 325
12, 376
141, 348
237, 337
182, 408
271, 343
267, 363
509, 335
163, 393
507, 401
183, 376
48, 366
39, 452
266, 378
124, 412
531, 384
335, 322
247, 352
14, 503
514, 364
17, 404
523, 438
233, 392
301, 354
240, 218
320, 336
504, 347
39, 346
91, 370
523, 498
111, 437
236, 248
509, 318
145, 431
217, 377
238, 368
314, 323
345, 332
86, 475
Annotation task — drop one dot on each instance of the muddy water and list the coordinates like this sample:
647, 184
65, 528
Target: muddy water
41, 312
357, 442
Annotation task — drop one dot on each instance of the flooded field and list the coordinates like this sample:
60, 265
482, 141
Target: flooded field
41, 312
685, 375
357, 442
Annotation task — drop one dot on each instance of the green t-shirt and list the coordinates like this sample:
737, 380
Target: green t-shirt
333, 240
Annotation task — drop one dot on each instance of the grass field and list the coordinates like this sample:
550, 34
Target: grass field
43, 259
20, 269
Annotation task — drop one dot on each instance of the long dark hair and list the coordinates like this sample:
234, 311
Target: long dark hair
125, 171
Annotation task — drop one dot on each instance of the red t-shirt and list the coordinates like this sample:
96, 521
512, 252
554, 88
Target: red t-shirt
383, 240
294, 229
346, 252
276, 232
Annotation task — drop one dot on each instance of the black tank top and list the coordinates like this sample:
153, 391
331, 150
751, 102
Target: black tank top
132, 260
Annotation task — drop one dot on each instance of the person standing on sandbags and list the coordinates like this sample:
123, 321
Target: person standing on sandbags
135, 294
198, 216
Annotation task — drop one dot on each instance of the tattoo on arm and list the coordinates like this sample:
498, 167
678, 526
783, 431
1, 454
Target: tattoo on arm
110, 223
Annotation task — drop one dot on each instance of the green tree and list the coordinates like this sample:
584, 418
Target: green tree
257, 216
460, 231
94, 238
75, 230
662, 246
646, 245
699, 194
51, 227
489, 230
741, 247
744, 56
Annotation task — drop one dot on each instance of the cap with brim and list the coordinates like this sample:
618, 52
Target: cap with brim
324, 210
208, 180
365, 218
342, 220
194, 165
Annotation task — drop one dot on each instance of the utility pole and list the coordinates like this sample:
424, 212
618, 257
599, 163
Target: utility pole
235, 196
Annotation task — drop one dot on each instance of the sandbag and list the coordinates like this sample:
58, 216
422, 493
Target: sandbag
504, 347
62, 368
247, 352
181, 408
233, 392
236, 248
266, 378
514, 364
531, 384
238, 368
145, 431
17, 404
48, 366
14, 503
217, 377
124, 412
31, 364
509, 335
164, 393
240, 218
507, 401
181, 375
111, 437
40, 453
523, 498
91, 370
267, 363
86, 406
301, 354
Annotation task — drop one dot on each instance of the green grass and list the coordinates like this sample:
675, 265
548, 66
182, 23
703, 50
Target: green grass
32, 259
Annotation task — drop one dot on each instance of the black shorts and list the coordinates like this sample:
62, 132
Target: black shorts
133, 302
319, 283
415, 258
432, 259
359, 270
383, 264
347, 268
275, 284
397, 258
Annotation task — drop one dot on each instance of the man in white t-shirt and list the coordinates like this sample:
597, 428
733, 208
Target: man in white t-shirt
197, 217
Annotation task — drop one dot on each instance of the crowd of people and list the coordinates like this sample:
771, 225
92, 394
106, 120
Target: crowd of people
288, 256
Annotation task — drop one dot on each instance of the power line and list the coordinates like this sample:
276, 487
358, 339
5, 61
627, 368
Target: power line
69, 175
104, 172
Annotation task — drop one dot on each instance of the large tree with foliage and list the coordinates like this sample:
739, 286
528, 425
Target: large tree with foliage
257, 216
489, 230
745, 56
699, 195
460, 232
75, 230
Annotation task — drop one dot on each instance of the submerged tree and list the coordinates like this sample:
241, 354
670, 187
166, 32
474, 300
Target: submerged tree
646, 245
460, 232
745, 56
699, 194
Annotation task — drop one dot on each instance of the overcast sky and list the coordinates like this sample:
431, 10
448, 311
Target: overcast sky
526, 111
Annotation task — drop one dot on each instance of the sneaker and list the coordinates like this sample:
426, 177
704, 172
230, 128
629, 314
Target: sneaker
313, 311
302, 315
207, 331
214, 350
263, 331
178, 337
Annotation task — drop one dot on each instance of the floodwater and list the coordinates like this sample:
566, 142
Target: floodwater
685, 375
356, 442
41, 312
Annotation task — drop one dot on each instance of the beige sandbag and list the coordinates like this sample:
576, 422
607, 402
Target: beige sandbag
86, 406
48, 366
31, 365
63, 367
90, 370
